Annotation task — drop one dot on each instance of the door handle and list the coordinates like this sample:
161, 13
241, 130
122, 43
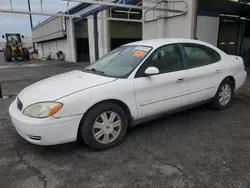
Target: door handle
218, 71
180, 80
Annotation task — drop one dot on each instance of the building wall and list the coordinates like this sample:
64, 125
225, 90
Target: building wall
91, 40
170, 25
153, 27
45, 48
39, 47
50, 29
27, 41
53, 28
120, 29
208, 29
63, 46
150, 31
104, 41
182, 26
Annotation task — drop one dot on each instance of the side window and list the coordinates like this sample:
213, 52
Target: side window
199, 55
166, 59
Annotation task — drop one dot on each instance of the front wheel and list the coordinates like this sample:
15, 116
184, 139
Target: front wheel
7, 55
104, 127
224, 95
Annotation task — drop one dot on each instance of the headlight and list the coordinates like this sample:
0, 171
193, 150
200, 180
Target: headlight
43, 109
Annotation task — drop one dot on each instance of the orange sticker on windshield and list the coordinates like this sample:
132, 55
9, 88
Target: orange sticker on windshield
139, 53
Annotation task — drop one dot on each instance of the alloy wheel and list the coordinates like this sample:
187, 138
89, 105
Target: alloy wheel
107, 127
225, 94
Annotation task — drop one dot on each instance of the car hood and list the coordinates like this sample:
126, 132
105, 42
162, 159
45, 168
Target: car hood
60, 86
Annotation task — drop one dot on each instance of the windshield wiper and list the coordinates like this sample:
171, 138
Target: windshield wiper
94, 70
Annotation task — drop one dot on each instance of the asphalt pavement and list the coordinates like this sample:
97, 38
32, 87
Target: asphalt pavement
198, 148
16, 76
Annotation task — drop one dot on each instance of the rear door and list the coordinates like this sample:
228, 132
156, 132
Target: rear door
205, 70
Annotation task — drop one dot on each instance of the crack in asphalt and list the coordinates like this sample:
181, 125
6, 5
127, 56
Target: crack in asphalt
4, 122
184, 178
41, 176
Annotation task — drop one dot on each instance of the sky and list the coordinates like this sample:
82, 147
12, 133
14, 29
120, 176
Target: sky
17, 23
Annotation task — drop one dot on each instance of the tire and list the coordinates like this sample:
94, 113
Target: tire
219, 103
26, 54
7, 55
95, 116
19, 57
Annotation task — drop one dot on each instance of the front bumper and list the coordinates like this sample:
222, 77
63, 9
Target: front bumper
47, 131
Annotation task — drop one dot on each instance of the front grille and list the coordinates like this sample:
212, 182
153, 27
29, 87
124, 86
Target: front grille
19, 104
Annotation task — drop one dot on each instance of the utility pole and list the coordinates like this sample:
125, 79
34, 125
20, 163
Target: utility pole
31, 24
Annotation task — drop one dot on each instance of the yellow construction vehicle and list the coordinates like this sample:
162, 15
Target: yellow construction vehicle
14, 48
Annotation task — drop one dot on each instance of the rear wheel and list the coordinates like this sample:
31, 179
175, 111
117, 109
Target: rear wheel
104, 127
7, 55
26, 54
224, 95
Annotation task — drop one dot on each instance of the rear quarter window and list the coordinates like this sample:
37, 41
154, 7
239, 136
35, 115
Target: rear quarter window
200, 55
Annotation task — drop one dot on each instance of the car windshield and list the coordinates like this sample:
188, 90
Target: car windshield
119, 62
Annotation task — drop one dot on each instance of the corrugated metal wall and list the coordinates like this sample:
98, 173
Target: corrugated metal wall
48, 30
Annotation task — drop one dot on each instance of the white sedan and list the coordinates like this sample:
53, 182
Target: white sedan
134, 83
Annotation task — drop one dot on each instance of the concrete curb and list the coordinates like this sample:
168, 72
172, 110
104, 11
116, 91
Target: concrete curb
39, 58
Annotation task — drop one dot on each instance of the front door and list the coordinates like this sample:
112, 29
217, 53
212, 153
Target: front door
166, 91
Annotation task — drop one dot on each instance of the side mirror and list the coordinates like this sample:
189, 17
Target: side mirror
151, 71
3, 36
22, 36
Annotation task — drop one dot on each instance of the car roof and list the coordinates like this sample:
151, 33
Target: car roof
155, 43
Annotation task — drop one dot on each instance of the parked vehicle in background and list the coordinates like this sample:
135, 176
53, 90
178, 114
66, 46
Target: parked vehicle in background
134, 83
14, 48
